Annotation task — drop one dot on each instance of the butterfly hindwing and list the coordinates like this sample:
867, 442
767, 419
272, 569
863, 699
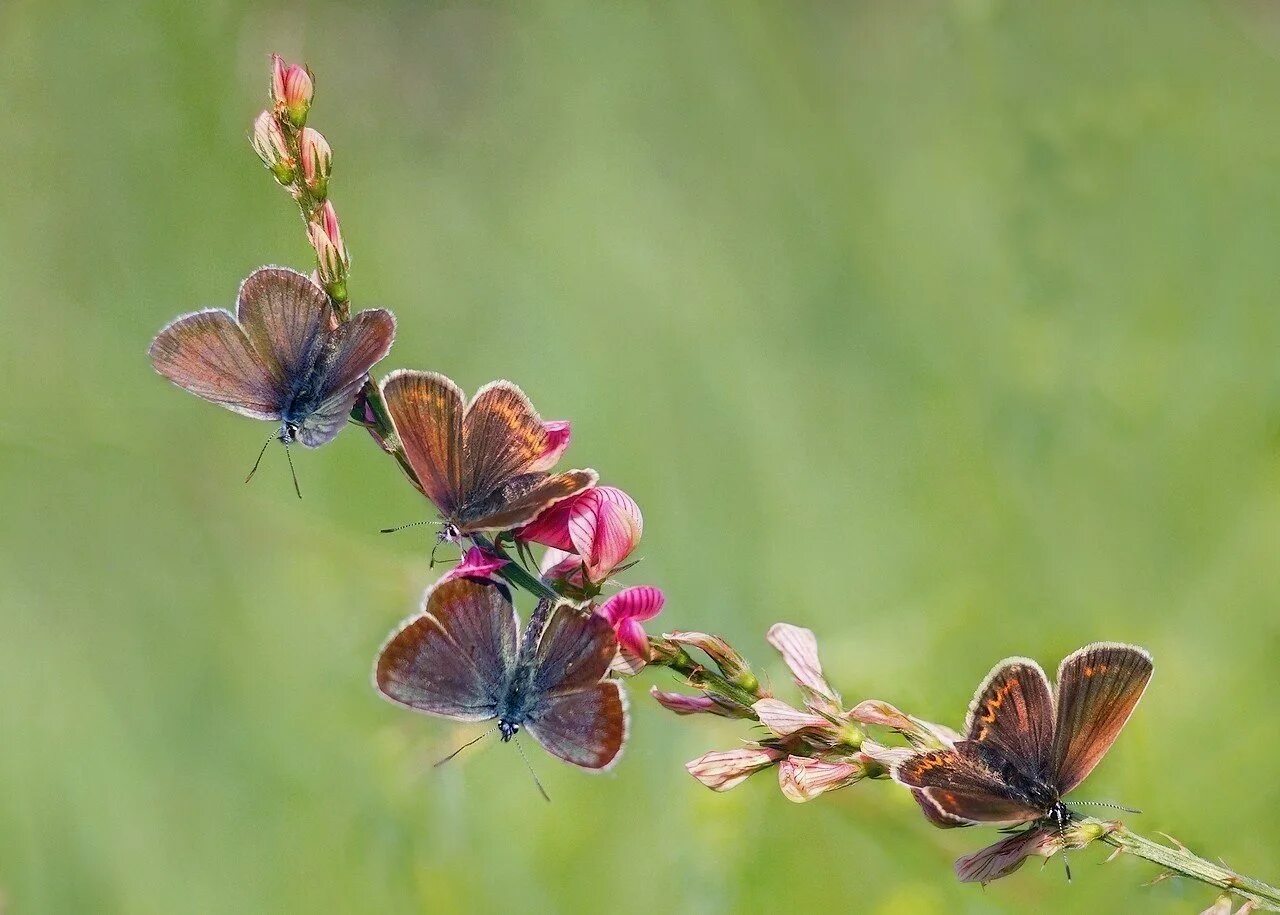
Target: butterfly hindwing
586, 727
1098, 688
455, 658
963, 785
358, 345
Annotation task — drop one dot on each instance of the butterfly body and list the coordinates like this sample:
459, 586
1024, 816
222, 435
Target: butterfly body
1026, 748
463, 658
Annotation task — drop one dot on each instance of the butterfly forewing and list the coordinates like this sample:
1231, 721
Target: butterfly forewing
427, 410
587, 728
455, 659
963, 785
209, 354
1098, 688
502, 435
358, 345
574, 652
1013, 711
287, 317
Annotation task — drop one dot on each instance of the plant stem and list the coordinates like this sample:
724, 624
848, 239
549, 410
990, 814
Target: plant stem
665, 654
1179, 860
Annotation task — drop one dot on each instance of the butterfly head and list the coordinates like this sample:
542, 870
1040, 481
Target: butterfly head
507, 729
1060, 816
288, 433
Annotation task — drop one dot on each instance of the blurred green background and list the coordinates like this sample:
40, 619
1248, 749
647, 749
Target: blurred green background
946, 329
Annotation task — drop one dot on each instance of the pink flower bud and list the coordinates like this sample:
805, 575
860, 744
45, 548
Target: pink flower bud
626, 610
269, 143
331, 256
291, 90
721, 771
802, 779
317, 161
602, 525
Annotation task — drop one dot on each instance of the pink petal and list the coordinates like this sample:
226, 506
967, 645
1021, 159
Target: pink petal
799, 648
475, 564
783, 720
1007, 855
642, 602
605, 525
802, 779
558, 435
551, 528
888, 757
721, 771
631, 637
920, 733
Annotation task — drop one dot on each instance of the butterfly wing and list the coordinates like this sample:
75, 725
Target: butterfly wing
208, 354
578, 716
454, 659
1098, 688
427, 410
287, 317
360, 344
587, 728
1013, 711
962, 785
522, 498
502, 436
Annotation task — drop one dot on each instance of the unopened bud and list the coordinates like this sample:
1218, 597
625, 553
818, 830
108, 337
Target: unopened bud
291, 90
317, 161
332, 261
269, 143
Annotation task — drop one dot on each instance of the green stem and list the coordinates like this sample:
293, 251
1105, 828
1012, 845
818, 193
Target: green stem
665, 654
1179, 860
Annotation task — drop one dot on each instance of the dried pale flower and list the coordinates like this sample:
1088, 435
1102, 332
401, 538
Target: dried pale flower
626, 610
799, 649
783, 720
802, 778
1009, 854
292, 89
731, 664
922, 734
269, 143
706, 704
476, 563
1223, 906
885, 757
317, 161
722, 770
602, 526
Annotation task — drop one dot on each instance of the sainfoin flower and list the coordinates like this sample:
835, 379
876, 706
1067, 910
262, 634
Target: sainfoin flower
317, 161
626, 610
723, 770
476, 563
802, 778
326, 237
558, 434
270, 145
601, 526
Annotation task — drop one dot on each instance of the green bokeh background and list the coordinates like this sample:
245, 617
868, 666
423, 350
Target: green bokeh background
949, 330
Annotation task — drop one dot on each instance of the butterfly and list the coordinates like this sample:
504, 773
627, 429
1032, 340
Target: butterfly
464, 658
283, 357
479, 462
1024, 749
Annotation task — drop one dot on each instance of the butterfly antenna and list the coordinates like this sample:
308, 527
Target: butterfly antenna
541, 790
469, 743
392, 530
1108, 804
292, 472
1067, 865
260, 454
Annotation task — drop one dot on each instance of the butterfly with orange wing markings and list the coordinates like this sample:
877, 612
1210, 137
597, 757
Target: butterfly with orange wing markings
283, 356
1024, 748
478, 461
463, 658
